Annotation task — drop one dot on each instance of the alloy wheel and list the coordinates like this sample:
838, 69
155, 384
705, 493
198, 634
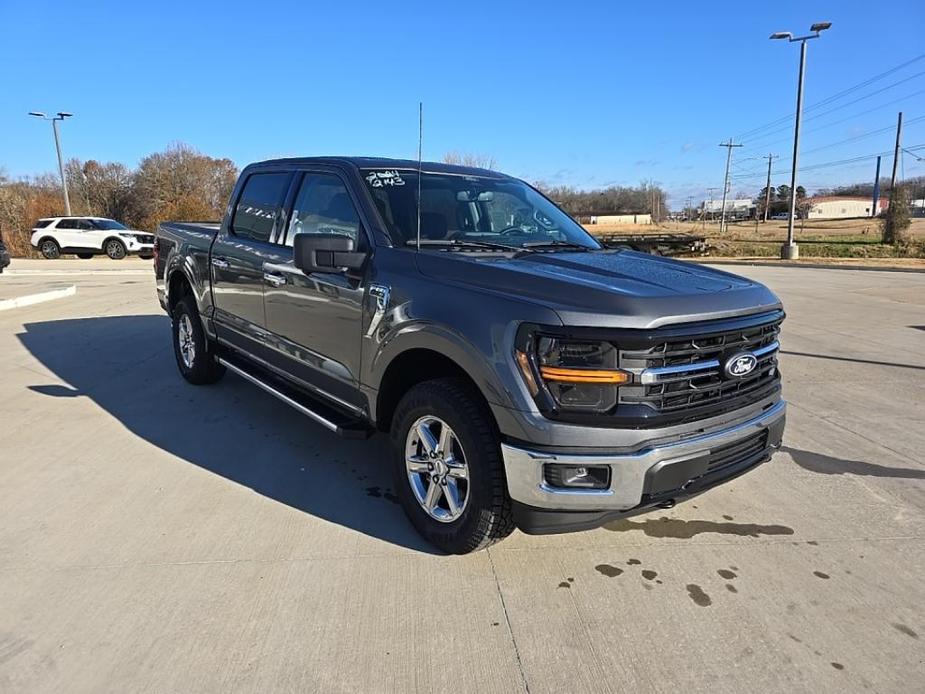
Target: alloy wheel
185, 339
437, 469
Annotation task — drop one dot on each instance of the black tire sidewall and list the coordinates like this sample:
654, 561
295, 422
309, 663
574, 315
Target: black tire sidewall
204, 369
477, 436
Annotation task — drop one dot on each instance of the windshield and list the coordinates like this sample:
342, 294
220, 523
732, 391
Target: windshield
473, 209
107, 224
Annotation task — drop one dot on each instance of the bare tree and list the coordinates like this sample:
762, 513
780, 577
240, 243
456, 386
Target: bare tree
481, 161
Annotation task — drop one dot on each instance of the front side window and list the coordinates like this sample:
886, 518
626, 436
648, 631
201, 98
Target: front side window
258, 205
323, 206
463, 208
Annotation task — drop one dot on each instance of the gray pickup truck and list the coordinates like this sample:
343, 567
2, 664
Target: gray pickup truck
525, 375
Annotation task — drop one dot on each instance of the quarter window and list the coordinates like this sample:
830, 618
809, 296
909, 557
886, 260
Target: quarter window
323, 206
258, 206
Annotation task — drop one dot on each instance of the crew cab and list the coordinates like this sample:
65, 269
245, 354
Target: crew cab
89, 236
525, 375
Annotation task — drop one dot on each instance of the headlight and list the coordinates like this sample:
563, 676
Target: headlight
576, 375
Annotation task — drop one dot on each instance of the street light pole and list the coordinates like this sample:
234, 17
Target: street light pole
790, 250
54, 126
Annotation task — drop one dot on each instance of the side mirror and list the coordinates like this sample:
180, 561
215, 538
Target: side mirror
326, 253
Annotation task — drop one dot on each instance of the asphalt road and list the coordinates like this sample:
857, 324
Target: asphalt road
156, 537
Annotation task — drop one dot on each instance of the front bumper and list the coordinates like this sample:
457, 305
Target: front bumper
657, 475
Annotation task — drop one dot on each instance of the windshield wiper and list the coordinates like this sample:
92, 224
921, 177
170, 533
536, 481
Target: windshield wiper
462, 243
557, 244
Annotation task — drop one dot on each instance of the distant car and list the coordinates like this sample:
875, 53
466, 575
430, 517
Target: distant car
89, 236
781, 215
4, 255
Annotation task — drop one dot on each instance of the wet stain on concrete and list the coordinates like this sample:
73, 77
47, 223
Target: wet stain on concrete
685, 530
819, 574
905, 630
634, 562
813, 543
731, 588
726, 573
794, 638
838, 666
608, 570
734, 568
377, 493
698, 596
726, 517
565, 584
648, 574
648, 586
494, 624
570, 579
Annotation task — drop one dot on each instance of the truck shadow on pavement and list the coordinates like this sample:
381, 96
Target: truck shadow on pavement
125, 364
828, 465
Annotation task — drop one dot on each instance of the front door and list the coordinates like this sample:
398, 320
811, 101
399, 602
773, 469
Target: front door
239, 252
315, 320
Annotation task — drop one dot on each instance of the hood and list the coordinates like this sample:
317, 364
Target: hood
618, 288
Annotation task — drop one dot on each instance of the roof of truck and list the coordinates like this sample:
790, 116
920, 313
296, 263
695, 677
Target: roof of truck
385, 163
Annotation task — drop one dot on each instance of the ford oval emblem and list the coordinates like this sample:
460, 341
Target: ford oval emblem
740, 365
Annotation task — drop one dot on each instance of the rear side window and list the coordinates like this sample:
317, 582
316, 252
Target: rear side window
42, 223
68, 224
259, 204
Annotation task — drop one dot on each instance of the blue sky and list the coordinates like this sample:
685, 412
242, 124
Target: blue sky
587, 94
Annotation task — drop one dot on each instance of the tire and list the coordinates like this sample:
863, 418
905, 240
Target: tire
115, 249
50, 249
483, 515
85, 256
199, 365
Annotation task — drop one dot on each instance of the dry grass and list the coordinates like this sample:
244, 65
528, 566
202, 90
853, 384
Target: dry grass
824, 238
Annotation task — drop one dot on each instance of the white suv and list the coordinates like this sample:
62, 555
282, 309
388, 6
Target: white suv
89, 236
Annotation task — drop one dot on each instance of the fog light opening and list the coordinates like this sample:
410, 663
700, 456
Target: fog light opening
577, 476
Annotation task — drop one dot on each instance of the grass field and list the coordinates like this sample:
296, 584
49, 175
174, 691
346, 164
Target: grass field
828, 238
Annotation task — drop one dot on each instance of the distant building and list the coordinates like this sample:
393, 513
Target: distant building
607, 218
844, 207
735, 209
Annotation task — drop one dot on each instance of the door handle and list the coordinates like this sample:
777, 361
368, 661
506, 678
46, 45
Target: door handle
220, 263
273, 279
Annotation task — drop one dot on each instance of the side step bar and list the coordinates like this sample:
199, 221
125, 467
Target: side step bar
325, 415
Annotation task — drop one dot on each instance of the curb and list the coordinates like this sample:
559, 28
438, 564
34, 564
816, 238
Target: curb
808, 266
30, 299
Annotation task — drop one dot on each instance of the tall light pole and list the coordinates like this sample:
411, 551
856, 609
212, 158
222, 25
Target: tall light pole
54, 126
790, 251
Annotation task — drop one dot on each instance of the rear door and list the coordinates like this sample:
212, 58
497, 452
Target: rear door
244, 243
315, 320
67, 232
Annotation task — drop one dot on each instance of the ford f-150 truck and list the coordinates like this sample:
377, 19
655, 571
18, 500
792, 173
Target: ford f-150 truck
525, 375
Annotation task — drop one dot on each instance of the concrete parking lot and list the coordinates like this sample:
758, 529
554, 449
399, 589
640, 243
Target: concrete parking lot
156, 537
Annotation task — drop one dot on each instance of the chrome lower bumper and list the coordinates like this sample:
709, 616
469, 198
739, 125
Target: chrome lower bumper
524, 467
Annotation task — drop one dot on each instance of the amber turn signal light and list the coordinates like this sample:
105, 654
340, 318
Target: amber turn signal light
603, 376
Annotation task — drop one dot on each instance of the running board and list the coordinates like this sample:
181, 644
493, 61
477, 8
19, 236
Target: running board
325, 415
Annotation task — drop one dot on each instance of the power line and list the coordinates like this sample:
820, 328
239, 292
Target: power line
834, 97
834, 122
853, 101
839, 162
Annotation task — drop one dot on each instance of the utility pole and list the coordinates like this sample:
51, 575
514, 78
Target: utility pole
899, 133
873, 208
728, 145
767, 190
710, 191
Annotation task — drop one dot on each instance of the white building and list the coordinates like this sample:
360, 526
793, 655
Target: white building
844, 207
734, 208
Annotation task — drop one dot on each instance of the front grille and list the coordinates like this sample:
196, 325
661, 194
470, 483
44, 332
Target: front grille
683, 374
